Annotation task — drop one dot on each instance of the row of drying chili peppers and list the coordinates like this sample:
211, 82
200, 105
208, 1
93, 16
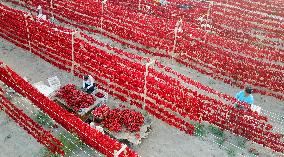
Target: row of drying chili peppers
125, 77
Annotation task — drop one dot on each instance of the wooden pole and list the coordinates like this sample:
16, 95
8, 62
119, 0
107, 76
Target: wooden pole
28, 31
73, 57
103, 3
139, 6
208, 13
51, 6
102, 15
145, 82
177, 28
116, 153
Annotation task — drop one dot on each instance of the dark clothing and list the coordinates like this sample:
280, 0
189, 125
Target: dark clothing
91, 89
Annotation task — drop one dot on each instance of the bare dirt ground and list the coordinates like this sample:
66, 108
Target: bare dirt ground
164, 140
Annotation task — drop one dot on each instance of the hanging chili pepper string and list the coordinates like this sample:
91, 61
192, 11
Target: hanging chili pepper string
216, 40
37, 131
23, 91
48, 123
125, 78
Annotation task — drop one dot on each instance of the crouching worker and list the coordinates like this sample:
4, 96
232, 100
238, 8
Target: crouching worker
40, 14
88, 84
245, 96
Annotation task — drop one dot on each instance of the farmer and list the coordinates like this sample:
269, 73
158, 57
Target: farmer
160, 2
163, 2
43, 17
245, 96
39, 13
88, 84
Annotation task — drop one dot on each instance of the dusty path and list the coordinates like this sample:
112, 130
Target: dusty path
164, 141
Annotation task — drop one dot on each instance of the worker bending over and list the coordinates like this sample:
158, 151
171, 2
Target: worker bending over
245, 96
40, 14
88, 84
